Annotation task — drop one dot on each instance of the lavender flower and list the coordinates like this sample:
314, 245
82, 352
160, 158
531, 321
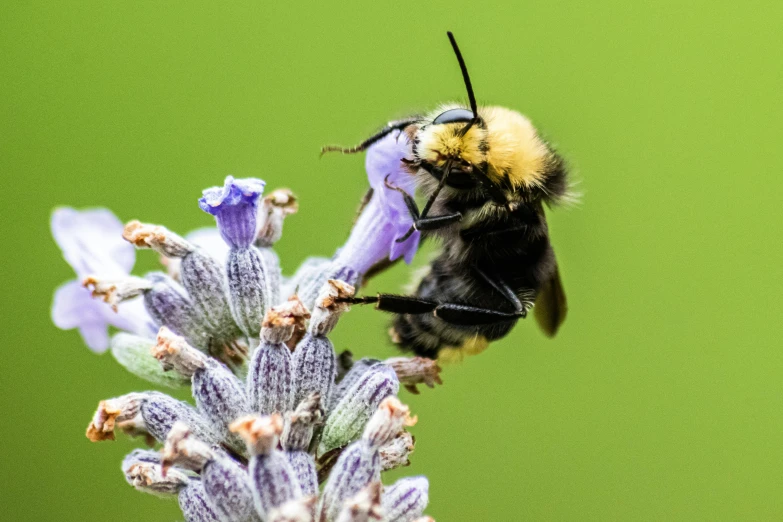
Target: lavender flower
384, 219
235, 206
91, 242
287, 415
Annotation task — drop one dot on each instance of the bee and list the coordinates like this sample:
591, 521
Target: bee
486, 174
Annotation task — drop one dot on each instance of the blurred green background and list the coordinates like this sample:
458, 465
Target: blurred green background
662, 397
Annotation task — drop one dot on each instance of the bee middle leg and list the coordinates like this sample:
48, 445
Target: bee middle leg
456, 314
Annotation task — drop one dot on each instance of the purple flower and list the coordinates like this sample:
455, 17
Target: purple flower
235, 206
91, 242
385, 218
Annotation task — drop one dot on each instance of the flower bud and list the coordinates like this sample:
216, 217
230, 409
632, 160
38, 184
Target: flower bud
351, 413
299, 510
274, 481
116, 291
275, 207
406, 499
357, 467
364, 506
394, 454
159, 413
387, 422
280, 322
121, 412
147, 476
182, 449
195, 505
229, 488
349, 379
205, 281
246, 275
270, 378
315, 368
219, 395
300, 423
156, 237
415, 370
168, 303
133, 352
329, 306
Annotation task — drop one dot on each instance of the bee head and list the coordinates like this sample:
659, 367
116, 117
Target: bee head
453, 141
495, 150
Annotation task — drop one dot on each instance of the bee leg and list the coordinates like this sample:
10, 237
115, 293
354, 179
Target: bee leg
390, 127
463, 315
396, 304
431, 223
413, 209
503, 289
457, 314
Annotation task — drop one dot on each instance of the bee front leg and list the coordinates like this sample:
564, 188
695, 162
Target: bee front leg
420, 221
389, 128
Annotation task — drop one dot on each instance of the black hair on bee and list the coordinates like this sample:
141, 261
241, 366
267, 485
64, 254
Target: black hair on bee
486, 174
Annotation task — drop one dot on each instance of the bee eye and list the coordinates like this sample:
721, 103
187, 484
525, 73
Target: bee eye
454, 116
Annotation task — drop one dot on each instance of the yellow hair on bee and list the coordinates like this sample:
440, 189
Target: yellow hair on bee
515, 150
454, 354
437, 143
508, 143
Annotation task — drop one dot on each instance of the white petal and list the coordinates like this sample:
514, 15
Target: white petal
209, 239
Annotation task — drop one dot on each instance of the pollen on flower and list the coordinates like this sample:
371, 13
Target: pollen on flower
113, 413
174, 353
259, 433
115, 292
416, 370
333, 292
156, 237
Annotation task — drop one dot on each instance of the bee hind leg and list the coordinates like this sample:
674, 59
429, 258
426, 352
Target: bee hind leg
456, 314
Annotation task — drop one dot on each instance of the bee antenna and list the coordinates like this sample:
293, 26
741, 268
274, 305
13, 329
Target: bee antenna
465, 75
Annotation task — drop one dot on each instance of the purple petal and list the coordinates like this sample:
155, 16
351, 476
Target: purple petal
235, 206
372, 240
91, 242
74, 307
96, 336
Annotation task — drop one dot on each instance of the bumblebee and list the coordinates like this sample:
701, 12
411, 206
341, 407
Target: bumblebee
486, 174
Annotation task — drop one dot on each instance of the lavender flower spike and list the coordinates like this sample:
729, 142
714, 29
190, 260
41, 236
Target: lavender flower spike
91, 242
235, 206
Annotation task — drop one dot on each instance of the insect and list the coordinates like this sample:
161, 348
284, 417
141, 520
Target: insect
486, 174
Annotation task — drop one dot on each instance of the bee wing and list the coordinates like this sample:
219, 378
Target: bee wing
551, 307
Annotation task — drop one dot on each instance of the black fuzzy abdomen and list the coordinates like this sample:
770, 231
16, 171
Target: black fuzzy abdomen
513, 249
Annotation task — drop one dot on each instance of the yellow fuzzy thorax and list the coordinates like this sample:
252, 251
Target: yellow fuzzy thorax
514, 150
